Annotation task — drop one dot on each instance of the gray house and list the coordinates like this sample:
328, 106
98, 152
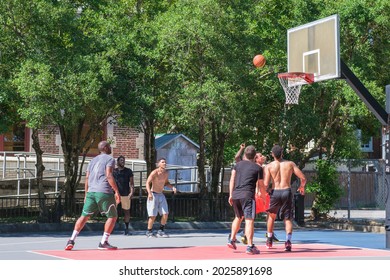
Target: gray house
179, 150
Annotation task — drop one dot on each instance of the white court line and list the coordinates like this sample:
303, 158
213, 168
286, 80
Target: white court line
48, 255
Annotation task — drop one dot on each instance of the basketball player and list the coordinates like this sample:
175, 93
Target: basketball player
280, 172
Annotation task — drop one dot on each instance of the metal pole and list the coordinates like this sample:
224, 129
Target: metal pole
387, 169
349, 189
4, 164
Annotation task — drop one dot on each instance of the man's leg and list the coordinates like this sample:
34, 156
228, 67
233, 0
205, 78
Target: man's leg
289, 228
270, 229
151, 222
108, 228
126, 220
235, 227
163, 222
249, 230
232, 236
79, 225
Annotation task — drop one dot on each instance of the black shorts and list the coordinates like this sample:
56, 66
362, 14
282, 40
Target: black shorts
244, 207
281, 200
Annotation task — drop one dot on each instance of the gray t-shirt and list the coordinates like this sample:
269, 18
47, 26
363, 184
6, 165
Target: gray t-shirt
97, 180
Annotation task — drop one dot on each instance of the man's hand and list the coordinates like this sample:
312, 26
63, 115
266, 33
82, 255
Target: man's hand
117, 198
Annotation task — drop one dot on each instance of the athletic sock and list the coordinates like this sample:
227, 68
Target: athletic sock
289, 236
162, 227
105, 237
269, 234
74, 235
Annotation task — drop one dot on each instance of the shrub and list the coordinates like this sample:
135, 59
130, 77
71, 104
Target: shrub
325, 187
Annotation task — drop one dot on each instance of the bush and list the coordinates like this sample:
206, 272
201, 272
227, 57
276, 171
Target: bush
325, 188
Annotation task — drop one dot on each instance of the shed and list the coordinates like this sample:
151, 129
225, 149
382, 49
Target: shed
179, 150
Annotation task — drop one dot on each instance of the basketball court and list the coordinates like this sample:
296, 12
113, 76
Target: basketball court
194, 245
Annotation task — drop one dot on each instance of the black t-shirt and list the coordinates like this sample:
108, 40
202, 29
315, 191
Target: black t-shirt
247, 174
122, 179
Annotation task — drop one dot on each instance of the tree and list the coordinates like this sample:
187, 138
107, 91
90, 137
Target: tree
65, 76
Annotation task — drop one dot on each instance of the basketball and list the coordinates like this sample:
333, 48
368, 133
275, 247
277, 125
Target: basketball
259, 61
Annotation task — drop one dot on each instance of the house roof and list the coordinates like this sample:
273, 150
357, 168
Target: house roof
164, 139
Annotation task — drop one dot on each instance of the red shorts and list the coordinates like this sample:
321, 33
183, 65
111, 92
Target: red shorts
261, 207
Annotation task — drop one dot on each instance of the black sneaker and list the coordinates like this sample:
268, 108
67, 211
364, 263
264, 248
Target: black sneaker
161, 233
274, 238
69, 246
252, 250
150, 234
231, 243
106, 246
268, 244
127, 232
287, 246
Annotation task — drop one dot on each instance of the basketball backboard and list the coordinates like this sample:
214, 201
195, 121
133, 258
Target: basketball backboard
315, 48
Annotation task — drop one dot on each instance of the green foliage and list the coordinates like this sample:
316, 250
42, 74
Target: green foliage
325, 187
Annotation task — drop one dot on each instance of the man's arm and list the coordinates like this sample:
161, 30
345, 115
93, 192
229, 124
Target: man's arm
148, 183
267, 176
86, 184
231, 186
131, 185
237, 157
302, 179
168, 184
111, 181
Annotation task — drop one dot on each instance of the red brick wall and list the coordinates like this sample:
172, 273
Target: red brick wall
126, 142
47, 140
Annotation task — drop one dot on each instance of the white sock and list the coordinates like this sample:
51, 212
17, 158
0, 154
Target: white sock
105, 237
74, 235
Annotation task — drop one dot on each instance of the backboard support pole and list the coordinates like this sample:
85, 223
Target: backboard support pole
383, 116
363, 93
387, 169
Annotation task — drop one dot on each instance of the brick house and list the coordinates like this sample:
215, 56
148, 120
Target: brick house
126, 141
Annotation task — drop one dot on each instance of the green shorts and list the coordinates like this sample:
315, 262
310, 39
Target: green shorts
104, 203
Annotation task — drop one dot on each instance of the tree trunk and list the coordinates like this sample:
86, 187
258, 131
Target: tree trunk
43, 211
204, 213
218, 144
149, 147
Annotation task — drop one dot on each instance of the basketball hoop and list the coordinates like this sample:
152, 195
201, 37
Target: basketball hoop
292, 83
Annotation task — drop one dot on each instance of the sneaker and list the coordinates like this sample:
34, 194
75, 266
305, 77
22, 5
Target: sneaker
231, 243
161, 233
268, 244
69, 246
127, 232
252, 250
287, 246
244, 240
106, 246
150, 234
274, 238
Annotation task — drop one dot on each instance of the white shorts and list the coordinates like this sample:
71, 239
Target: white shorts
158, 205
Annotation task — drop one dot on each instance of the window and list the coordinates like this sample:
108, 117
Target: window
15, 139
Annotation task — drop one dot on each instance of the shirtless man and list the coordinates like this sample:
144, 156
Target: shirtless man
280, 172
156, 202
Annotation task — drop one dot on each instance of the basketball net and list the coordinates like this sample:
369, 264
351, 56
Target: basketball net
292, 84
